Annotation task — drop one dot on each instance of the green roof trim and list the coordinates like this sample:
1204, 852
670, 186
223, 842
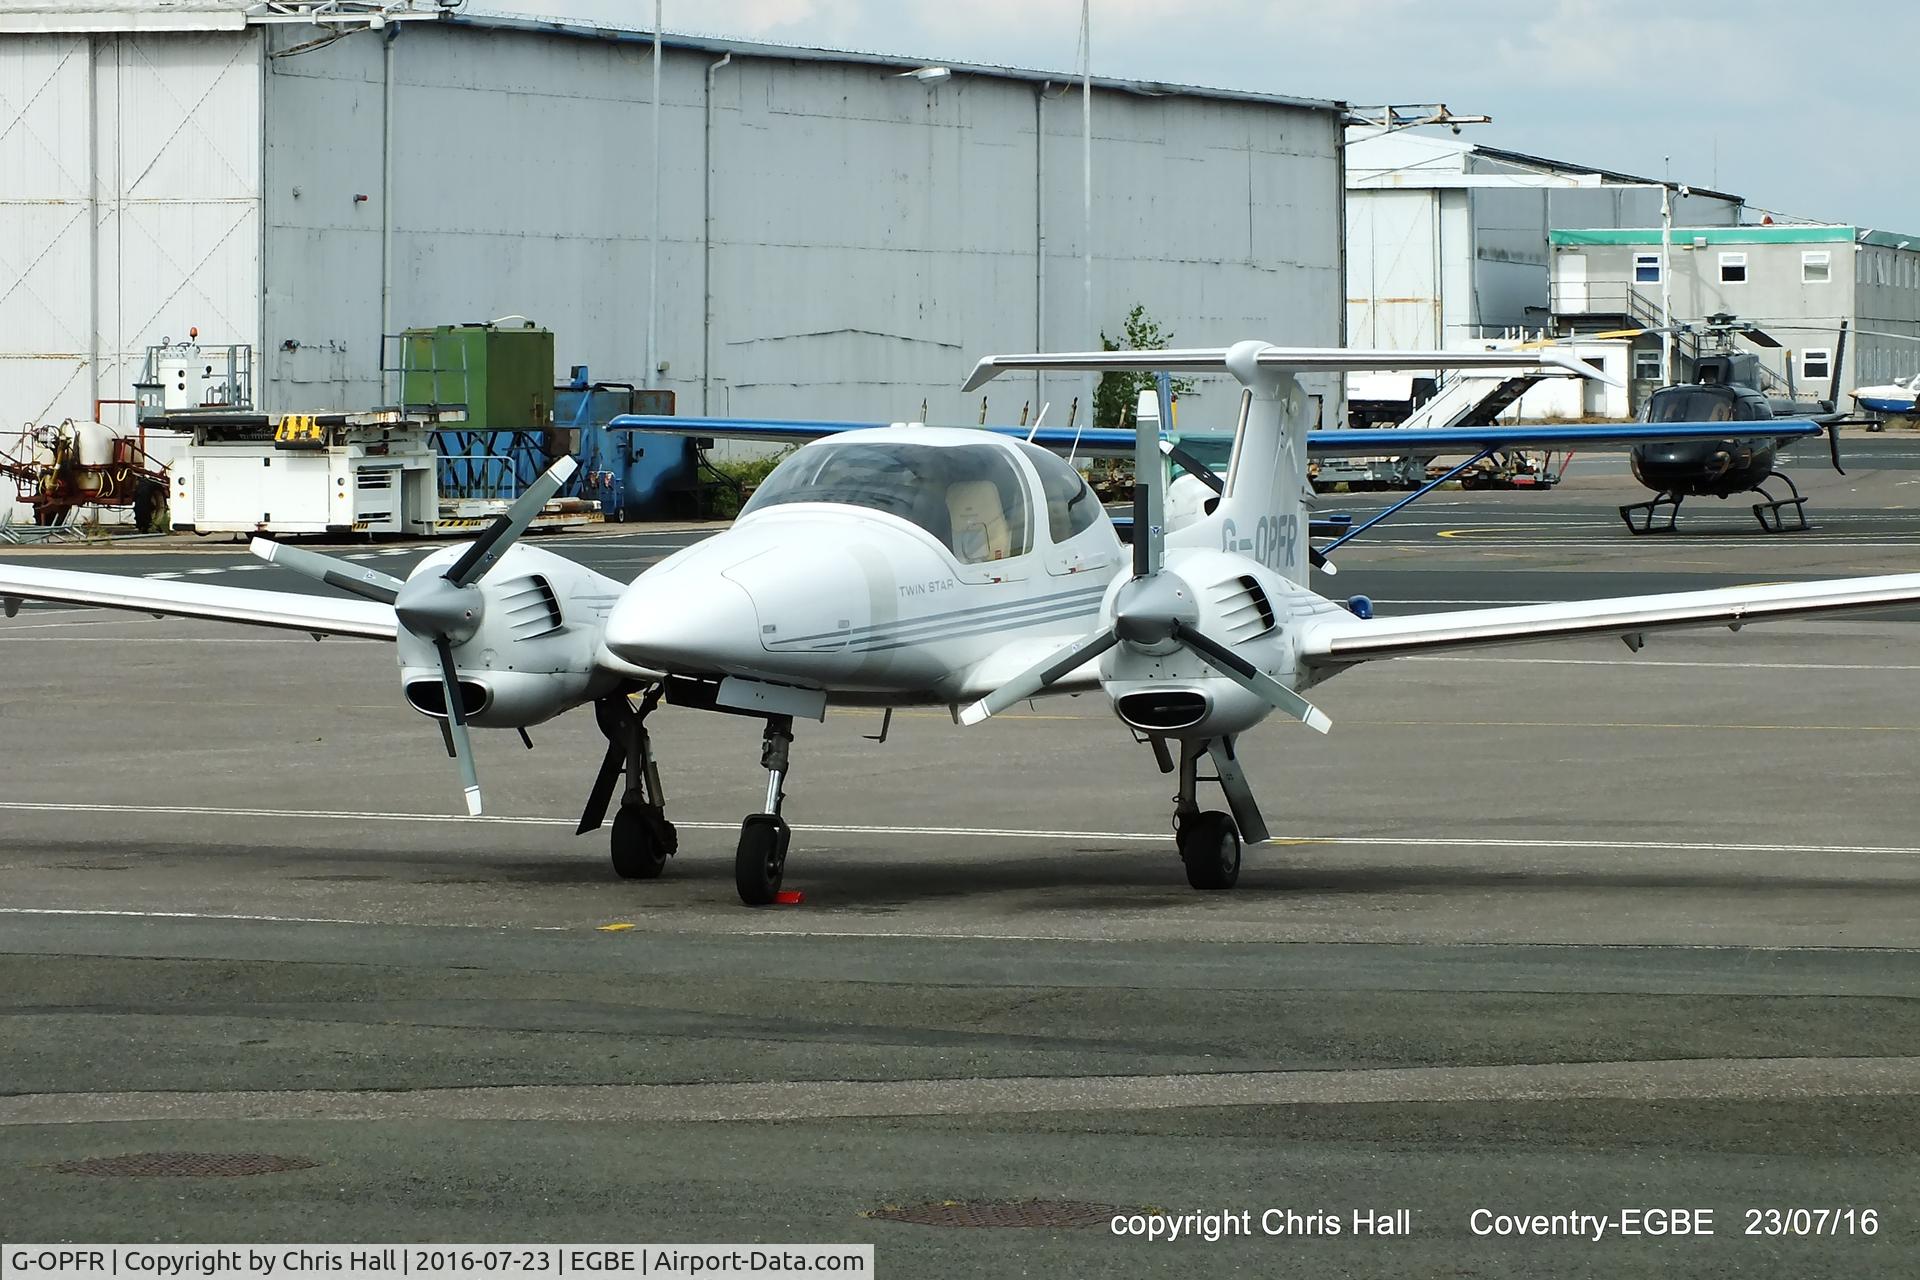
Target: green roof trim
1719, 235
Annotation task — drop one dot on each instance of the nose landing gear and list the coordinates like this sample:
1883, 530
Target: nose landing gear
760, 860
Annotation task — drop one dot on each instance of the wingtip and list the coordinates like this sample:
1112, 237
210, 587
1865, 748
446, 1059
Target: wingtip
983, 372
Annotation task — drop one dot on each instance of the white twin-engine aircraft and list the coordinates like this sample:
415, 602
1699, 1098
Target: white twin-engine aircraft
973, 569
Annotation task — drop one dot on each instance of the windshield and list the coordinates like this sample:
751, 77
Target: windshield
968, 496
1698, 404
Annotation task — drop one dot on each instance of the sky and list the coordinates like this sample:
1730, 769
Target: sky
1784, 102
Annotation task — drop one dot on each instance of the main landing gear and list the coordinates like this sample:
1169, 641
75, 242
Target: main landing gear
642, 838
1209, 842
761, 857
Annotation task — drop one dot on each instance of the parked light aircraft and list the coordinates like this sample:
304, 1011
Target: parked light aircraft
905, 565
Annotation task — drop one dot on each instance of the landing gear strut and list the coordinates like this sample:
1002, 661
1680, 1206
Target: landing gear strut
1209, 842
761, 858
642, 838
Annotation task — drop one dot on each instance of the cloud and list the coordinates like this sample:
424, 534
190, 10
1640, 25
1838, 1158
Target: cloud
1763, 98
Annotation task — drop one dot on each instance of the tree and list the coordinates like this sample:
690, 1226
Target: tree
1119, 390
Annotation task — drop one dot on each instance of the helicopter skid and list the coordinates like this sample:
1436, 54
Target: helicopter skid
1775, 513
1649, 510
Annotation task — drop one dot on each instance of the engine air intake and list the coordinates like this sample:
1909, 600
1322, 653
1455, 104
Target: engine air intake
1162, 710
428, 697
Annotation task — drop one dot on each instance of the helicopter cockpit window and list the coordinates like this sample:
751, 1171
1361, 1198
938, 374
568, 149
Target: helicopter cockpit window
1071, 505
971, 498
1700, 403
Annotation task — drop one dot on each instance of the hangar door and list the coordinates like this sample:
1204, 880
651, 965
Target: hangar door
1393, 270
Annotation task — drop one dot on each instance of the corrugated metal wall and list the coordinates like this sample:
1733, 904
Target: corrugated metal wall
835, 239
857, 237
129, 209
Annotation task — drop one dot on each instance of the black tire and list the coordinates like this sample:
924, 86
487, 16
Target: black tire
642, 842
761, 858
1210, 849
149, 508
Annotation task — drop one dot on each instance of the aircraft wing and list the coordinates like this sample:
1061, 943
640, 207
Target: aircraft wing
1338, 641
1016, 656
323, 615
1118, 442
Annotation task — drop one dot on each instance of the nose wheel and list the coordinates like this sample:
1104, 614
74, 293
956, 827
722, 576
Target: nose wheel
760, 859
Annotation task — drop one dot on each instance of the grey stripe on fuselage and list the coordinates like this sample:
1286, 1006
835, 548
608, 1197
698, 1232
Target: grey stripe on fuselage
1055, 613
1011, 607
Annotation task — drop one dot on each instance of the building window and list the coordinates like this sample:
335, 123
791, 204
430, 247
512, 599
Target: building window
1646, 268
1816, 267
1646, 364
1816, 364
1733, 268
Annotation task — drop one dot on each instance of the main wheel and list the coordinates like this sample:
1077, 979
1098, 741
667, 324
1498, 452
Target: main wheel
1210, 848
761, 858
643, 840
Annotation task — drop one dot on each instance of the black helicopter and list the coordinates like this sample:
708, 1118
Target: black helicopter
1726, 389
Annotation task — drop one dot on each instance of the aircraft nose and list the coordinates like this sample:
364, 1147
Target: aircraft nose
693, 623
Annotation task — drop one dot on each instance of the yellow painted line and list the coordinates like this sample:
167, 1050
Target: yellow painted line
618, 926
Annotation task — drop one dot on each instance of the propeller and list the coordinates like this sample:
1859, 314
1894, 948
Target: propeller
1154, 609
443, 609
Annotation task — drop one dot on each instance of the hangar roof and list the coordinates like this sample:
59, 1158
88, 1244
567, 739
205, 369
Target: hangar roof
212, 15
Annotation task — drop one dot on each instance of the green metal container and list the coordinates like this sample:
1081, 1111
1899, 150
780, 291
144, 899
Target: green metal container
502, 373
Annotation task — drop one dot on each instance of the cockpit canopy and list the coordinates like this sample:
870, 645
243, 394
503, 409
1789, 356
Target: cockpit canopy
1696, 402
970, 497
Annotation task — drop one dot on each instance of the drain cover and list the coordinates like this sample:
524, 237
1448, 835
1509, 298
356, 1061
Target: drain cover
1000, 1213
185, 1164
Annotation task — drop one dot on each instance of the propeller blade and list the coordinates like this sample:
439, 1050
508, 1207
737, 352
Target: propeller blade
1194, 467
1251, 678
506, 528
1034, 679
369, 584
457, 727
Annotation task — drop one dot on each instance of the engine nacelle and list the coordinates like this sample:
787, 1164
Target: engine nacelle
1178, 694
532, 655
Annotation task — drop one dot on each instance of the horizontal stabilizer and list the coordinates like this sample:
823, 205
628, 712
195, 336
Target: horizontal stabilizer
1290, 359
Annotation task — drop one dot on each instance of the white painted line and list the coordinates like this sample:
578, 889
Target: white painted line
6, 638
168, 574
1655, 662
256, 919
987, 833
